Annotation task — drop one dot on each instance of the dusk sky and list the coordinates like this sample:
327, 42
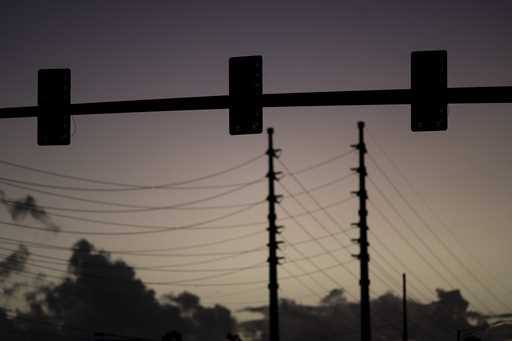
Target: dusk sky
459, 181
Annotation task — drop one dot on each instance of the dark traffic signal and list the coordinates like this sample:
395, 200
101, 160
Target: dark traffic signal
429, 107
53, 99
245, 88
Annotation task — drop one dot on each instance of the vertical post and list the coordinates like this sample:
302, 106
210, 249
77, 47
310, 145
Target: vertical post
364, 258
405, 335
458, 334
273, 244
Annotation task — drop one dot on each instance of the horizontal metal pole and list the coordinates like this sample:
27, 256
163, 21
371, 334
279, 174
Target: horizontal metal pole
497, 94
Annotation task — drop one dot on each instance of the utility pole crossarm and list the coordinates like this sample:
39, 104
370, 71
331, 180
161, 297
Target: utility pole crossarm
493, 94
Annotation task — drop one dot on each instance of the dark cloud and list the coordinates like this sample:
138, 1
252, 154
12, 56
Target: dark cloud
9, 291
15, 262
100, 294
104, 295
21, 208
335, 318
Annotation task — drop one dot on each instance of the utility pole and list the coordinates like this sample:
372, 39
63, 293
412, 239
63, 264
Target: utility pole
364, 258
273, 243
405, 335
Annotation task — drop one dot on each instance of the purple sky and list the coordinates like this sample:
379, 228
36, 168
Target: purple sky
132, 50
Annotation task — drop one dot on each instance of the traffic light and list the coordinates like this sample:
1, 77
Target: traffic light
429, 107
53, 99
245, 88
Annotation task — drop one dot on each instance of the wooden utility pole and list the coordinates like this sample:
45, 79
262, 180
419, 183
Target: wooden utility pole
364, 258
273, 243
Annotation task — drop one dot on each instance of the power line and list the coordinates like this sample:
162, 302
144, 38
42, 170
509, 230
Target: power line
246, 205
194, 282
439, 239
134, 187
140, 209
311, 196
303, 207
129, 251
425, 245
164, 186
165, 268
86, 189
171, 228
206, 254
225, 272
136, 208
61, 261
185, 282
444, 225
193, 226
305, 230
321, 245
324, 185
148, 251
399, 260
323, 163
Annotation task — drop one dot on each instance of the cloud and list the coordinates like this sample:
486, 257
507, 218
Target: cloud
21, 208
335, 318
100, 294
15, 262
9, 291
105, 295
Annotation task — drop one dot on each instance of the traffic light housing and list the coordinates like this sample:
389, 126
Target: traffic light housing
53, 99
429, 106
245, 89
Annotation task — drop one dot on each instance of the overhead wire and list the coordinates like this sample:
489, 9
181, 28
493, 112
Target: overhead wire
134, 186
314, 200
164, 267
98, 221
192, 226
406, 268
87, 189
320, 224
300, 184
185, 282
323, 163
321, 246
129, 251
439, 239
136, 208
442, 243
142, 209
428, 248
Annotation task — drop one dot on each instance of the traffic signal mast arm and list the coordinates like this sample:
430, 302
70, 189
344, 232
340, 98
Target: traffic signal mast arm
460, 95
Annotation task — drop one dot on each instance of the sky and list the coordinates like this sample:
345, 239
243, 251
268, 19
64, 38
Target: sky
450, 218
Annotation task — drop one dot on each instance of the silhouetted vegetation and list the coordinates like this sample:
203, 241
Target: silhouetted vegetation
101, 294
